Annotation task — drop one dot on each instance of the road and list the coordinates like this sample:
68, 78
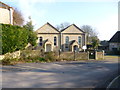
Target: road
75, 74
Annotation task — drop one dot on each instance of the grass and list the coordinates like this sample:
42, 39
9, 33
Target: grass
111, 57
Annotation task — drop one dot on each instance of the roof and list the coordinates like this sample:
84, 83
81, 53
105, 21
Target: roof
72, 42
73, 25
104, 43
3, 5
116, 37
45, 41
50, 26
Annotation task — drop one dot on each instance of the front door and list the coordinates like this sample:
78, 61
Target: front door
75, 48
48, 48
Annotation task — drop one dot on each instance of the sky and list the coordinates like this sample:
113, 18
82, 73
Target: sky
101, 15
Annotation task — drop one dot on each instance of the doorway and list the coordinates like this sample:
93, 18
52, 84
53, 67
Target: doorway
75, 48
48, 48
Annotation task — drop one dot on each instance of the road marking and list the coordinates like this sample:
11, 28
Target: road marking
108, 87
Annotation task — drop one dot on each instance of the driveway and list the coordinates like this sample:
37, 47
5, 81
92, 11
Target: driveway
74, 74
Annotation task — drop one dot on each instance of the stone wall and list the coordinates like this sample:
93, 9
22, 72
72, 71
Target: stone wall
11, 55
2, 57
67, 56
30, 53
61, 56
82, 56
74, 56
21, 54
99, 55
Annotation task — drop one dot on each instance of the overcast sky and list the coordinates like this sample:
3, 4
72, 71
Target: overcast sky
100, 14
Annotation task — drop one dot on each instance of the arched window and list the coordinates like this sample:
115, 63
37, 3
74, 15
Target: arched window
40, 41
67, 40
55, 41
79, 40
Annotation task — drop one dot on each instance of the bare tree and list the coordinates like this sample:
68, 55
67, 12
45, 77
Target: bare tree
62, 25
91, 33
18, 18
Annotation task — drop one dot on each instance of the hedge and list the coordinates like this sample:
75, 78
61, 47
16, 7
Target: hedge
14, 38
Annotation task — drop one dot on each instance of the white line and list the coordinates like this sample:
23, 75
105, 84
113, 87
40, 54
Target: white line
112, 82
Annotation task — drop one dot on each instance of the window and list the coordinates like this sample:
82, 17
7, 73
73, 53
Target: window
79, 40
40, 41
55, 41
67, 42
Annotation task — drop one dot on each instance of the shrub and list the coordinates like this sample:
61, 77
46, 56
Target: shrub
41, 59
8, 61
16, 38
13, 38
34, 59
30, 53
50, 56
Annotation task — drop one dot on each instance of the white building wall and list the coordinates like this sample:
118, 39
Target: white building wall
4, 16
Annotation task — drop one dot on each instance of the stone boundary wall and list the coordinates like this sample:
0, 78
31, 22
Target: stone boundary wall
30, 53
11, 55
19, 54
99, 55
61, 55
2, 57
74, 56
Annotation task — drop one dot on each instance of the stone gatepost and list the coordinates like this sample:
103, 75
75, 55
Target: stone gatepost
96, 55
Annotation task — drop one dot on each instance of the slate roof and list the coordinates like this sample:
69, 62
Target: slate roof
45, 41
73, 25
116, 37
72, 42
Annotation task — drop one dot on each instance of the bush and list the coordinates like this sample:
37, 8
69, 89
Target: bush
16, 38
41, 59
13, 38
50, 56
8, 61
34, 59
38, 56
30, 53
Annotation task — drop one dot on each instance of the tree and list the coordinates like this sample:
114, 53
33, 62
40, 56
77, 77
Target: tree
91, 33
17, 18
29, 25
13, 38
62, 25
95, 42
32, 37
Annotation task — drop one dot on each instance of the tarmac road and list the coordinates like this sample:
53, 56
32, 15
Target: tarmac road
75, 74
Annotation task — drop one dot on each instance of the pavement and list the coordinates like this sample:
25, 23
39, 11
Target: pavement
72, 74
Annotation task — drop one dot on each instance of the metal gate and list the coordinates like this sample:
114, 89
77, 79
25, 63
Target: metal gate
91, 54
